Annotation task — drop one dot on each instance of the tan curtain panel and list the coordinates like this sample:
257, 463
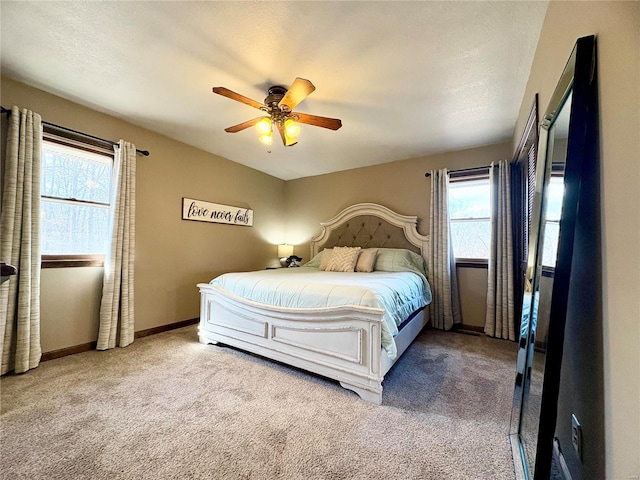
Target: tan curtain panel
116, 308
500, 321
20, 223
444, 310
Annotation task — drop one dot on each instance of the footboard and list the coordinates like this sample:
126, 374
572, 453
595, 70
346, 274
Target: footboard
342, 343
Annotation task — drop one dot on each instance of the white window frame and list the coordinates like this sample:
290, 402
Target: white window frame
476, 176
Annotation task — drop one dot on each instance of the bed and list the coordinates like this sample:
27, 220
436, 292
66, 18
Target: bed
354, 341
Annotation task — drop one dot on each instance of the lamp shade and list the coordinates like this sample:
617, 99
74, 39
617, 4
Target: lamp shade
285, 250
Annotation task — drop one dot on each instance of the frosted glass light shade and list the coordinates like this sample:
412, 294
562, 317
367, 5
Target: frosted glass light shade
285, 251
291, 128
264, 126
267, 139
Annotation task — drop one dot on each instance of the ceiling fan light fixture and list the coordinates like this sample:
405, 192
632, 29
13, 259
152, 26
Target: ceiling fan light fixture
267, 138
289, 141
264, 126
291, 128
277, 110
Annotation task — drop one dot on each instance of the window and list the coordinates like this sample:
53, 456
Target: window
553, 211
75, 194
470, 216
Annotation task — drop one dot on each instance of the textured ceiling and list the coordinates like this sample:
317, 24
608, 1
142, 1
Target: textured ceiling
407, 78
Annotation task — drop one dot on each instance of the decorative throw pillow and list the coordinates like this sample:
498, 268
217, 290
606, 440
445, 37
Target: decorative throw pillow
399, 260
343, 259
324, 260
315, 261
366, 259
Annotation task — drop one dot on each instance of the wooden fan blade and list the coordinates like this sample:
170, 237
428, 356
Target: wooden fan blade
225, 92
243, 125
296, 93
324, 122
286, 141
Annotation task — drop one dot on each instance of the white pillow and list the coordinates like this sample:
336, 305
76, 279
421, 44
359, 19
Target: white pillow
324, 259
343, 259
366, 260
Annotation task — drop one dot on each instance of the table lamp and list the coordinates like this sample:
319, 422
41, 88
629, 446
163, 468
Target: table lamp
284, 252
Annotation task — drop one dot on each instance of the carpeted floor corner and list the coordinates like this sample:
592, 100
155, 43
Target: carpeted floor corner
167, 407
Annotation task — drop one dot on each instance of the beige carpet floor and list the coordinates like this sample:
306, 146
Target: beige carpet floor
167, 407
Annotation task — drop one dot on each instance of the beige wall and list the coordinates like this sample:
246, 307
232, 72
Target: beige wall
172, 255
400, 186
472, 283
617, 27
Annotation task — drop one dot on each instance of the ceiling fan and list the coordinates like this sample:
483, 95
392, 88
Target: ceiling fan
279, 105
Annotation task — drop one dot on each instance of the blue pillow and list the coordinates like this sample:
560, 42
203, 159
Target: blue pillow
399, 260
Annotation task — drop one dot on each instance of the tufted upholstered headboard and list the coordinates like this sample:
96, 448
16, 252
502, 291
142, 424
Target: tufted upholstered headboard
369, 225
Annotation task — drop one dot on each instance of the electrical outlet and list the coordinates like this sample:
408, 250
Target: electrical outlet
576, 436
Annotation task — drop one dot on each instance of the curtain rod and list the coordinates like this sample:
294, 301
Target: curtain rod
472, 169
81, 134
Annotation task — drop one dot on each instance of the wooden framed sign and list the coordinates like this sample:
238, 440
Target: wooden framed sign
202, 211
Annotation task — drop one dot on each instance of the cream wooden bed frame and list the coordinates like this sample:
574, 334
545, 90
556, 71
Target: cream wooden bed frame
341, 343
